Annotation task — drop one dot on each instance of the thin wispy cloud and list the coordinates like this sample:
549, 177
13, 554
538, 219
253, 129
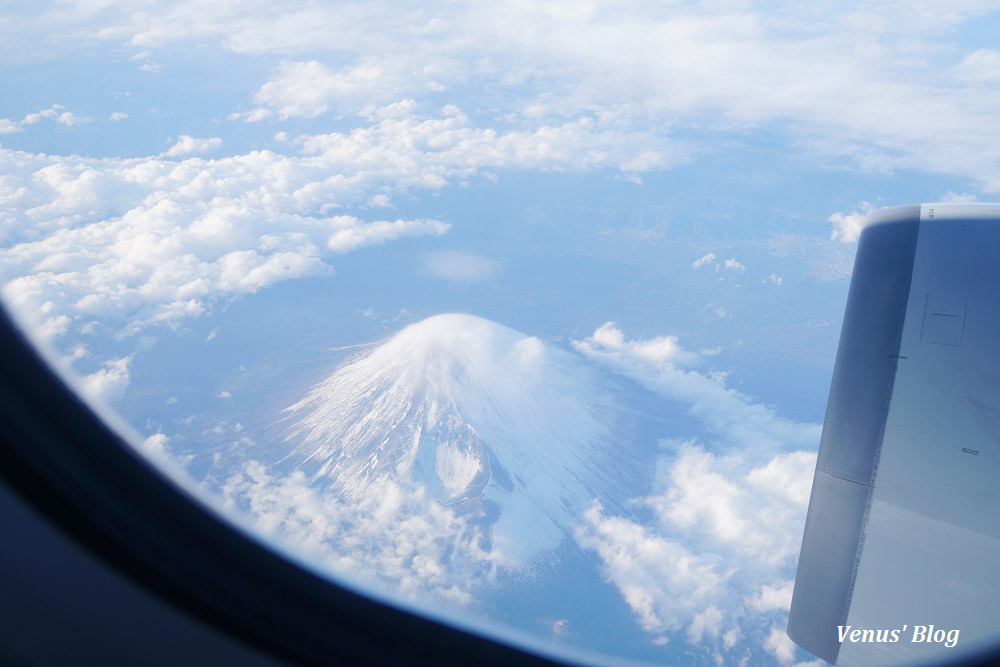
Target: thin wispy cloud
460, 266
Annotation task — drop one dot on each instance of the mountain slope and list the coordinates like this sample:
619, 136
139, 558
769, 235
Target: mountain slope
477, 415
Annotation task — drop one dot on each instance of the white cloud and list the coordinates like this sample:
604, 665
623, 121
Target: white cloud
69, 119
188, 145
718, 560
733, 265
109, 383
780, 646
381, 200
847, 228
55, 113
429, 150
76, 352
155, 446
959, 198
8, 126
881, 87
716, 563
352, 234
393, 536
981, 65
705, 259
756, 514
117, 116
663, 582
50, 113
309, 89
252, 116
733, 417
460, 266
660, 352
775, 597
142, 242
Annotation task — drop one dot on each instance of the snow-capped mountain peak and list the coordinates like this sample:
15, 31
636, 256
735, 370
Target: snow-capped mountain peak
476, 413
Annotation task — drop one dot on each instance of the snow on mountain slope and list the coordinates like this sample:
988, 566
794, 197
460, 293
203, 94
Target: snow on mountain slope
479, 415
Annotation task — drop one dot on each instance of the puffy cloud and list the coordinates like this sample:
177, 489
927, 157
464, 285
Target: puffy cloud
54, 113
780, 646
661, 352
381, 200
50, 113
664, 582
188, 145
69, 119
428, 151
155, 447
733, 417
959, 198
716, 562
152, 241
847, 228
143, 242
308, 89
108, 384
705, 259
773, 597
733, 265
117, 116
8, 126
747, 512
393, 536
719, 556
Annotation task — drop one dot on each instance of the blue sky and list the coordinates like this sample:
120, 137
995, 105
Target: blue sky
196, 197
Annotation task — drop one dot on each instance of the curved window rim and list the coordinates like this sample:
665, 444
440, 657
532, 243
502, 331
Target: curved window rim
71, 466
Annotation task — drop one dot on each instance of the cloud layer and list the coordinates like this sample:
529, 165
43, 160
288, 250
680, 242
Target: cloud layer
881, 86
715, 563
433, 550
135, 243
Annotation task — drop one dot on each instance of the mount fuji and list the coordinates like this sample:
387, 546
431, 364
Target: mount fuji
478, 416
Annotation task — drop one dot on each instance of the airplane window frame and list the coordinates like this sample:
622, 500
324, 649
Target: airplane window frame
61, 457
